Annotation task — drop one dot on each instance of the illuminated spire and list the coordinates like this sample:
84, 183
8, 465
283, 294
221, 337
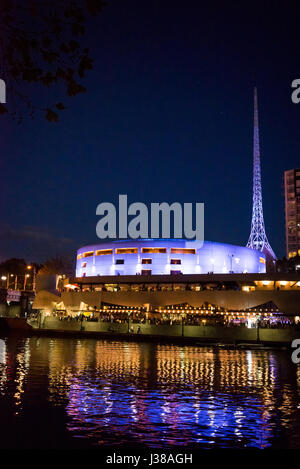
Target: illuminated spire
258, 238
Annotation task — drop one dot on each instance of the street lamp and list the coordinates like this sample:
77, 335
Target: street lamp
5, 277
25, 280
34, 275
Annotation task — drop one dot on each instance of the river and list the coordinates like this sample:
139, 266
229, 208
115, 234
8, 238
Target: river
72, 393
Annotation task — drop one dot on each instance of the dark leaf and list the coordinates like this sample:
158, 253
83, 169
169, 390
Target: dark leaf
7, 5
64, 48
51, 116
86, 63
60, 106
74, 12
73, 45
60, 73
95, 6
43, 45
46, 41
48, 79
3, 109
74, 88
77, 29
49, 56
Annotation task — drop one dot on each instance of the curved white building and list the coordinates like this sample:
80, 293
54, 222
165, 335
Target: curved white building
166, 256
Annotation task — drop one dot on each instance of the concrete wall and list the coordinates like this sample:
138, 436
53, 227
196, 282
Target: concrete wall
10, 310
279, 335
287, 301
46, 282
213, 333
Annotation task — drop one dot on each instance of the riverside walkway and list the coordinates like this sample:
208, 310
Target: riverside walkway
284, 334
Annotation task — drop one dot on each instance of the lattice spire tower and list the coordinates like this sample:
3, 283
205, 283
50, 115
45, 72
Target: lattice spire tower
258, 238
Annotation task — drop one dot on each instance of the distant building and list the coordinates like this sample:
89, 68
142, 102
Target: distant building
292, 211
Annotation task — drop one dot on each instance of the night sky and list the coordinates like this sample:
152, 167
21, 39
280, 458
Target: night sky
168, 116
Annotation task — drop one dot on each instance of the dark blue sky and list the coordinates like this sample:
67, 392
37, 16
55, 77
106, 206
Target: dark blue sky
167, 117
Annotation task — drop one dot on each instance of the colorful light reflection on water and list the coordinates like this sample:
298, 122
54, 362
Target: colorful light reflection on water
69, 392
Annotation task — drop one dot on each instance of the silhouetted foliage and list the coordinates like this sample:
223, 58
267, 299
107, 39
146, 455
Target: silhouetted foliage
61, 265
40, 44
16, 266
288, 265
13, 266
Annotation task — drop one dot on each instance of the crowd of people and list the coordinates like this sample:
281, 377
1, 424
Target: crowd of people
175, 320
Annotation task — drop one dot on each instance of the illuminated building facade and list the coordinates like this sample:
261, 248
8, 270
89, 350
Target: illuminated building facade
166, 257
292, 211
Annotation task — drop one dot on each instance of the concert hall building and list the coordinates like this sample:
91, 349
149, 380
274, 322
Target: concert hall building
166, 257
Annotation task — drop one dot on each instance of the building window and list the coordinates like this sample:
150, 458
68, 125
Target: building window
83, 264
146, 261
182, 251
126, 251
119, 261
292, 254
176, 261
88, 254
146, 272
154, 250
175, 272
104, 252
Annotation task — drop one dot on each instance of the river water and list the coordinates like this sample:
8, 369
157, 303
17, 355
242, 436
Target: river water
68, 393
